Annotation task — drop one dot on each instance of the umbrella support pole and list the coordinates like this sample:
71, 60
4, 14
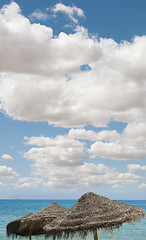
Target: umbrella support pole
54, 237
95, 234
30, 234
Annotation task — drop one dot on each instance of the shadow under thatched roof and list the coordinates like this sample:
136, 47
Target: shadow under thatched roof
34, 223
92, 212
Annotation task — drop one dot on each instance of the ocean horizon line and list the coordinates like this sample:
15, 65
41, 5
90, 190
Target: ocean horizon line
74, 199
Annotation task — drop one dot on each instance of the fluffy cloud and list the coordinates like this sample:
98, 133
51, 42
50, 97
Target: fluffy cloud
135, 133
29, 182
103, 135
60, 151
62, 160
107, 144
59, 141
83, 176
129, 145
135, 167
38, 14
7, 172
70, 11
6, 157
113, 86
117, 151
35, 48
62, 94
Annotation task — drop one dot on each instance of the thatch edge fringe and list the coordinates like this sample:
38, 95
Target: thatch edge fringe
83, 233
35, 223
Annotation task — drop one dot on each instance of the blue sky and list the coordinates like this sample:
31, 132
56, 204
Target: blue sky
72, 99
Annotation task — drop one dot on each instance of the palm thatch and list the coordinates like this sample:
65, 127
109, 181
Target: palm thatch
92, 212
34, 223
13, 227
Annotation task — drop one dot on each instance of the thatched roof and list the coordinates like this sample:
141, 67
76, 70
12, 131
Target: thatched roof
91, 212
13, 227
34, 223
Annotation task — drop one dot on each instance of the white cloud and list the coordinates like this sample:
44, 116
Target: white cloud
37, 48
89, 176
60, 141
114, 87
83, 176
117, 151
103, 135
59, 151
129, 145
62, 161
6, 157
7, 172
70, 11
135, 133
62, 94
39, 15
143, 185
29, 182
135, 167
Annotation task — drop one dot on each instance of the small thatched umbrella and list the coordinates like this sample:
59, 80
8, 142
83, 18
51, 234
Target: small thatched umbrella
13, 227
33, 224
92, 212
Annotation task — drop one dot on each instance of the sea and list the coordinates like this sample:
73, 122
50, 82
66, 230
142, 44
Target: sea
13, 209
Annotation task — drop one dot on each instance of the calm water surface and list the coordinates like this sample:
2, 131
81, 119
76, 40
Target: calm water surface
13, 209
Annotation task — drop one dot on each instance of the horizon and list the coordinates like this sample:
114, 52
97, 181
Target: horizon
68, 199
72, 99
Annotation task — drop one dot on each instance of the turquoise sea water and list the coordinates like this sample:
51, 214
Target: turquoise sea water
13, 209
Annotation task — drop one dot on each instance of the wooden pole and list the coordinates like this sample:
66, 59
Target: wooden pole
30, 234
54, 237
95, 234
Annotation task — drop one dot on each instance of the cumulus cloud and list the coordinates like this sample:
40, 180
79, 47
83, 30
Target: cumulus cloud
37, 48
6, 157
59, 151
129, 145
83, 176
70, 11
65, 95
135, 167
103, 135
39, 15
29, 182
7, 172
117, 151
114, 88
59, 141
62, 160
135, 133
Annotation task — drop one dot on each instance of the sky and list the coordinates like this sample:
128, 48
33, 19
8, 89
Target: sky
72, 99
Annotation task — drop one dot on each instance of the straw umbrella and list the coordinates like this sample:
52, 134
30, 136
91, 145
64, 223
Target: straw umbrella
12, 227
92, 212
33, 224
